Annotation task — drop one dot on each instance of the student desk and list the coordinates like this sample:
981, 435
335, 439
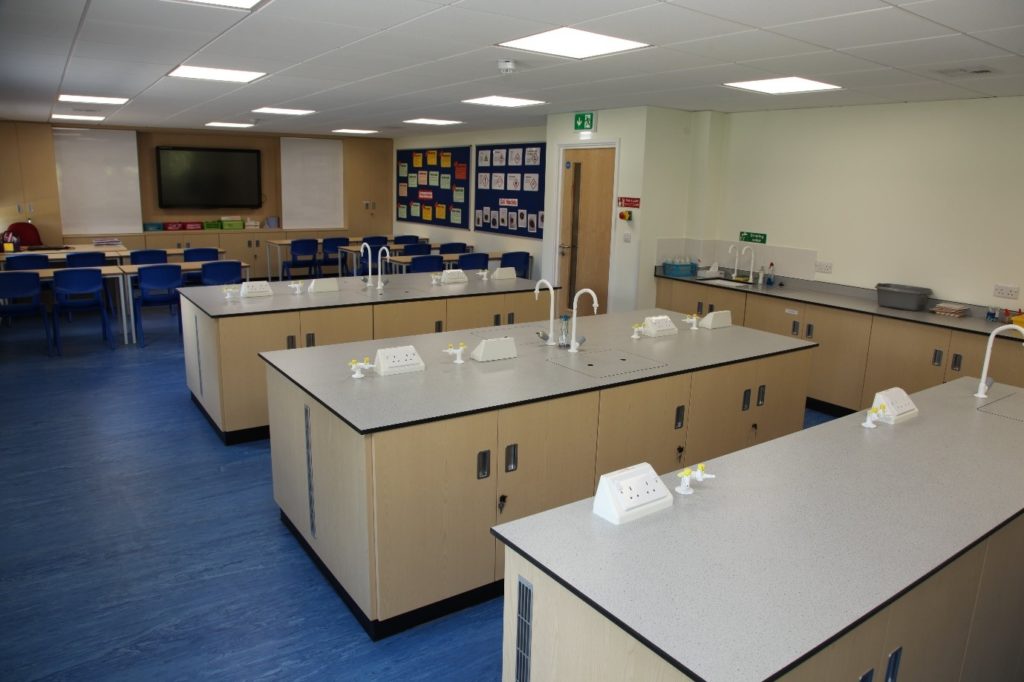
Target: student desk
352, 252
59, 257
450, 259
222, 337
113, 272
280, 244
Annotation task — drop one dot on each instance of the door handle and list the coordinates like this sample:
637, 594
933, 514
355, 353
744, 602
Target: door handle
937, 357
958, 361
680, 416
760, 395
257, 243
310, 339
290, 341
497, 319
502, 500
795, 329
711, 307
483, 464
511, 457
438, 326
248, 244
746, 400
511, 317
810, 331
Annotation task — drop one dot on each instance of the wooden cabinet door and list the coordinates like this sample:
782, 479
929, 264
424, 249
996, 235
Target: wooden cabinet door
165, 240
644, 422
433, 511
849, 658
775, 315
258, 259
967, 356
905, 354
780, 394
407, 319
470, 312
12, 195
288, 449
325, 326
521, 307
840, 360
545, 458
193, 239
719, 424
725, 299
241, 339
237, 246
687, 297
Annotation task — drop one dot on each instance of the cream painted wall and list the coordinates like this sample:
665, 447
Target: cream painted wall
482, 241
930, 194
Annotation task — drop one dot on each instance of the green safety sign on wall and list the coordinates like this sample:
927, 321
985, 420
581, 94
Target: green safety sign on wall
754, 237
583, 120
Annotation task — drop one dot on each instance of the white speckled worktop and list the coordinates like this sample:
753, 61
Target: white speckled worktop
445, 389
797, 538
846, 298
351, 292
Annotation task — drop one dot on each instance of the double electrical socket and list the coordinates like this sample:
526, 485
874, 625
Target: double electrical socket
823, 266
1010, 291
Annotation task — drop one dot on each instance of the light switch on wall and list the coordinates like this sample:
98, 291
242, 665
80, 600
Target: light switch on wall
627, 236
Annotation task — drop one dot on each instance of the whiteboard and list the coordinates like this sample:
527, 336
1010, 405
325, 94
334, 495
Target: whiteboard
98, 179
311, 184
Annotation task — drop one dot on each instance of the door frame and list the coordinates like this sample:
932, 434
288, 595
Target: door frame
550, 250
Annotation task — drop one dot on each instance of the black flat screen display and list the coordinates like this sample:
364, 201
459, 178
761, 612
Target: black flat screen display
190, 177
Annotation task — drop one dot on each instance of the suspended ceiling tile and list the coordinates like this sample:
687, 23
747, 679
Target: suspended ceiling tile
928, 50
152, 36
661, 24
555, 13
971, 69
834, 98
96, 76
812, 64
975, 15
1007, 38
173, 15
877, 77
151, 54
372, 15
863, 28
749, 45
1000, 86
760, 14
210, 57
921, 92
284, 38
463, 27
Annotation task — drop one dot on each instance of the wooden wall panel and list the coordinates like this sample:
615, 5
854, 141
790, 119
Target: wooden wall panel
368, 177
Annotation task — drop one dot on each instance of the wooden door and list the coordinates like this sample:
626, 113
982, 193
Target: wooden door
904, 354
325, 326
719, 424
521, 306
840, 360
545, 458
644, 422
780, 393
433, 510
775, 315
406, 319
585, 235
470, 312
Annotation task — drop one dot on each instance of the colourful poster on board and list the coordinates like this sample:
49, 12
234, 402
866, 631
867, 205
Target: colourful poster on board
440, 211
417, 159
507, 199
434, 181
446, 159
427, 212
432, 157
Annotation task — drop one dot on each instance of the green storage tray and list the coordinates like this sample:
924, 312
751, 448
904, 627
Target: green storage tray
213, 225
233, 224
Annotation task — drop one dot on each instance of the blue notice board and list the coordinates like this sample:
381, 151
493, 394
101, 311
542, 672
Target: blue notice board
432, 186
509, 195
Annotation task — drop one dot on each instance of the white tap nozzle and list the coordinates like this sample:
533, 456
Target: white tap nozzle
551, 309
983, 382
369, 261
383, 253
574, 345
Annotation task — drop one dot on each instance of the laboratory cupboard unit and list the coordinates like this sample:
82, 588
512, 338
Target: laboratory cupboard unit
28, 178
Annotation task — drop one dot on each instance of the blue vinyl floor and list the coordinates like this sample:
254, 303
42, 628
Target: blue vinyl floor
135, 546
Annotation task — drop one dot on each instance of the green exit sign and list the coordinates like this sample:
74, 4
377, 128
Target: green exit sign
754, 237
583, 120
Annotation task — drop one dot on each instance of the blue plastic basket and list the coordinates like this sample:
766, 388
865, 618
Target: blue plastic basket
679, 269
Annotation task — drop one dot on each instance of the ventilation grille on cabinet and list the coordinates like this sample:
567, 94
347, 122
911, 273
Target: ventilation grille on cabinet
524, 628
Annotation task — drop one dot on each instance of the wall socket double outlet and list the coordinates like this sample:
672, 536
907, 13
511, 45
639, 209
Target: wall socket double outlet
823, 266
1010, 291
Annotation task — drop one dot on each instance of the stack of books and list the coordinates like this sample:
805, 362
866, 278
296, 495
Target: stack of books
951, 309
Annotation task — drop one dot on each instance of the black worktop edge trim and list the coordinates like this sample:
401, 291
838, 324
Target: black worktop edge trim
366, 432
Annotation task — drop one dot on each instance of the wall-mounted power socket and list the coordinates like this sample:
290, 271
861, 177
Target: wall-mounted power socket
823, 266
398, 360
1010, 291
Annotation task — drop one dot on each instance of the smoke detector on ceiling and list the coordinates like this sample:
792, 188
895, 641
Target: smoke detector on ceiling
506, 66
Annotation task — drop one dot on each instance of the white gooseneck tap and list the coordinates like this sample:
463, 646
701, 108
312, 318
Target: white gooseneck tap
551, 341
369, 261
750, 248
574, 346
983, 384
383, 253
736, 267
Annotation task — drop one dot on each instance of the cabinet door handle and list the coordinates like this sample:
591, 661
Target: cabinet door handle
249, 244
746, 400
892, 669
438, 326
937, 357
290, 341
760, 395
483, 464
502, 500
700, 307
754, 427
19, 207
869, 676
310, 339
511, 318
679, 453
309, 472
810, 331
680, 416
257, 243
511, 457
711, 307
958, 361
497, 319
795, 329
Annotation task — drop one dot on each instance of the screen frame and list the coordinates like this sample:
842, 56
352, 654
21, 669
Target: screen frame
160, 183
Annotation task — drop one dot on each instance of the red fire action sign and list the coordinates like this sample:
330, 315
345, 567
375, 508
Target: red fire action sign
629, 202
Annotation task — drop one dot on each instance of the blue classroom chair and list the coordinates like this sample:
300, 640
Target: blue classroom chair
78, 289
426, 264
304, 255
221, 272
416, 249
453, 247
406, 239
20, 297
473, 261
158, 285
27, 261
520, 260
331, 259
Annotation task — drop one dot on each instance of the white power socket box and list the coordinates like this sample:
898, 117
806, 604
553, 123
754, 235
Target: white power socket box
716, 320
658, 325
504, 273
503, 348
453, 276
324, 284
631, 493
398, 360
255, 289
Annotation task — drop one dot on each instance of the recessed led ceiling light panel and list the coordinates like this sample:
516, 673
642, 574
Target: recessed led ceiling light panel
783, 86
354, 131
76, 117
571, 42
211, 74
283, 112
432, 122
499, 101
237, 4
222, 124
87, 99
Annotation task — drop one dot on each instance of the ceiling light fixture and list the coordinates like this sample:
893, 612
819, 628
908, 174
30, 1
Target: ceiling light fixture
354, 131
783, 86
571, 42
87, 99
76, 117
432, 122
212, 74
499, 101
283, 112
222, 124
235, 4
